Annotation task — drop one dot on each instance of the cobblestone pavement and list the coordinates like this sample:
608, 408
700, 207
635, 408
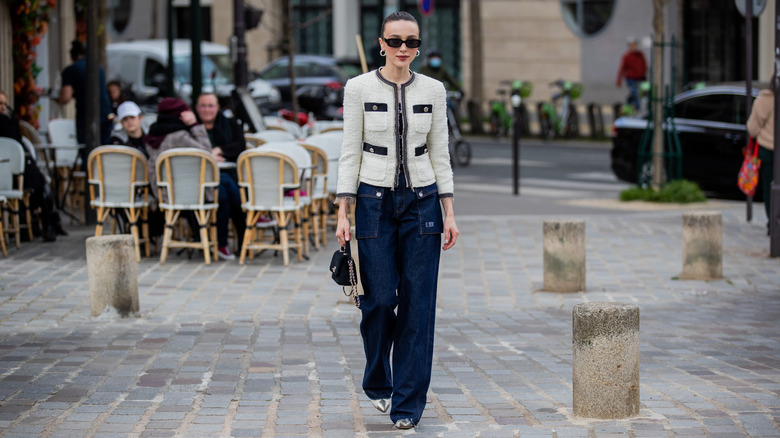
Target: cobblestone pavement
263, 350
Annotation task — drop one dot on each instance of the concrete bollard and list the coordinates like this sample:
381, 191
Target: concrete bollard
564, 255
605, 347
702, 245
113, 274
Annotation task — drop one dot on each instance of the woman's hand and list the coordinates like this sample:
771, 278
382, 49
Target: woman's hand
216, 152
188, 117
451, 232
342, 228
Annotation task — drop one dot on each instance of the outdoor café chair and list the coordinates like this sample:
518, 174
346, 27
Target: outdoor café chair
264, 177
12, 186
188, 180
118, 181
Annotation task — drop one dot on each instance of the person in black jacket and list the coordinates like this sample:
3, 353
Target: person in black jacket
227, 141
41, 196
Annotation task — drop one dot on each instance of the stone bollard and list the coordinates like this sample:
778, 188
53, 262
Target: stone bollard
113, 274
564, 255
702, 245
605, 347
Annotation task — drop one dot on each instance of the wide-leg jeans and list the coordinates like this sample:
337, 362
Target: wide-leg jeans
399, 235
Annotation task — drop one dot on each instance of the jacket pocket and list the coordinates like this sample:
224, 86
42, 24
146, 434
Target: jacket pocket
375, 116
374, 162
368, 207
422, 115
429, 210
422, 163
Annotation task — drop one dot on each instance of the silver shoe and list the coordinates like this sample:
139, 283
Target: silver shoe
404, 424
383, 404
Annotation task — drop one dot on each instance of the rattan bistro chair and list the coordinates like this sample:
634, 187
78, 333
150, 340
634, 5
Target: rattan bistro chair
302, 159
118, 181
264, 177
12, 185
187, 180
2, 233
319, 192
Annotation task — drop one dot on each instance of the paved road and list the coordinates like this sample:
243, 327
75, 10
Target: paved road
263, 350
551, 176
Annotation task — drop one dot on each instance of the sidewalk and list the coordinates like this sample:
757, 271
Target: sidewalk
263, 350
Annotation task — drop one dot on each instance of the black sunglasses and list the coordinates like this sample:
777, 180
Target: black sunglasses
395, 43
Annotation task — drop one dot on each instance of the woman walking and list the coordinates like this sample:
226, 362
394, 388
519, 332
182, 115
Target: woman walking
761, 126
395, 167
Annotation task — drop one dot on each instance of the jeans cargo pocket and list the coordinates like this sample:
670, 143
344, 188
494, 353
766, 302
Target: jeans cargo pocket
367, 209
429, 210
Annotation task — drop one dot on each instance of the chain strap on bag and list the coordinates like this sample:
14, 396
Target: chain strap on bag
344, 272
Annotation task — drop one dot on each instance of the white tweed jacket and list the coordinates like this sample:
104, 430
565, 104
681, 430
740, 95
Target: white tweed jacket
369, 152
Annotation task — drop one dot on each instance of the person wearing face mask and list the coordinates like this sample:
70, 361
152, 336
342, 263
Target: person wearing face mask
435, 69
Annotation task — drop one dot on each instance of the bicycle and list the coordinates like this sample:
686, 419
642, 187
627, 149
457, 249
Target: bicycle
460, 149
500, 118
559, 117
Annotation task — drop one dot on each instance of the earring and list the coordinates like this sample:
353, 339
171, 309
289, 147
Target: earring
418, 54
382, 53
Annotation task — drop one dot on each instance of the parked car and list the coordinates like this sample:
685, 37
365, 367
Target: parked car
710, 123
142, 65
319, 81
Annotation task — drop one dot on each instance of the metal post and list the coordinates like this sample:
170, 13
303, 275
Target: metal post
169, 68
516, 101
749, 80
92, 105
197, 37
774, 197
240, 69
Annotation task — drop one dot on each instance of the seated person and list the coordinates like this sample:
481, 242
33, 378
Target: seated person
176, 127
227, 140
40, 196
132, 133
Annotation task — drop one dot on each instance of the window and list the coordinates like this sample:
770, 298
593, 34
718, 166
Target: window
587, 17
152, 69
712, 108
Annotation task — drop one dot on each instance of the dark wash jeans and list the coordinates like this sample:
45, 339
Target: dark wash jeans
229, 208
399, 234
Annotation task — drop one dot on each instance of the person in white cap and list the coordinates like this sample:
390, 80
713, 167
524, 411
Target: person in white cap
132, 133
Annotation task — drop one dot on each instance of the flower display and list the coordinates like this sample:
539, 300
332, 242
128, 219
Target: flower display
29, 24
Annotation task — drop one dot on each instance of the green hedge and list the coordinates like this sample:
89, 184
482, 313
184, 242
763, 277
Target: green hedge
679, 191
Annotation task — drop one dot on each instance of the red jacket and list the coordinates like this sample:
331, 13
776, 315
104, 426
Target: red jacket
632, 66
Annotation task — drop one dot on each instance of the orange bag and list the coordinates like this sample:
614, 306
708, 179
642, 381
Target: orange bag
747, 180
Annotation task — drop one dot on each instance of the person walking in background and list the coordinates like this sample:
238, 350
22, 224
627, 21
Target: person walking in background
633, 68
74, 86
395, 167
227, 142
761, 126
434, 68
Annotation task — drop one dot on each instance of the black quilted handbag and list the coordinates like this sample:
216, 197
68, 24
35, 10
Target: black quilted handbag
342, 270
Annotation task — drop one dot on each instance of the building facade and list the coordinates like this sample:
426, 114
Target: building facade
533, 40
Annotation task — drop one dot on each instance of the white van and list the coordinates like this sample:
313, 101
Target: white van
141, 64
